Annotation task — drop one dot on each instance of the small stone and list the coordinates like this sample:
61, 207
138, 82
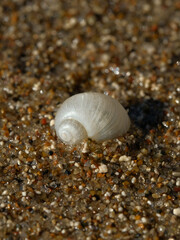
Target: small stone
103, 168
23, 194
85, 148
176, 174
155, 195
52, 123
43, 121
133, 180
125, 158
176, 211
36, 86
178, 182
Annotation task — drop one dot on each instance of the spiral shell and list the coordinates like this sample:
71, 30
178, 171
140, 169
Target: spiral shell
90, 115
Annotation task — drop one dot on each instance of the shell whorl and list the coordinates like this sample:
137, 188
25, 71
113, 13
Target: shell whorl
71, 131
93, 115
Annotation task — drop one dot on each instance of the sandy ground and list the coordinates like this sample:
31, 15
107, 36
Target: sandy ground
126, 188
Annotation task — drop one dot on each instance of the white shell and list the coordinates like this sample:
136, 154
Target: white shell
90, 115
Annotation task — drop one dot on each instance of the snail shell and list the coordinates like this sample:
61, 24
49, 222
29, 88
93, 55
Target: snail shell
90, 115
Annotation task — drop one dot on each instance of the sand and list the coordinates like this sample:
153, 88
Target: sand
125, 188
